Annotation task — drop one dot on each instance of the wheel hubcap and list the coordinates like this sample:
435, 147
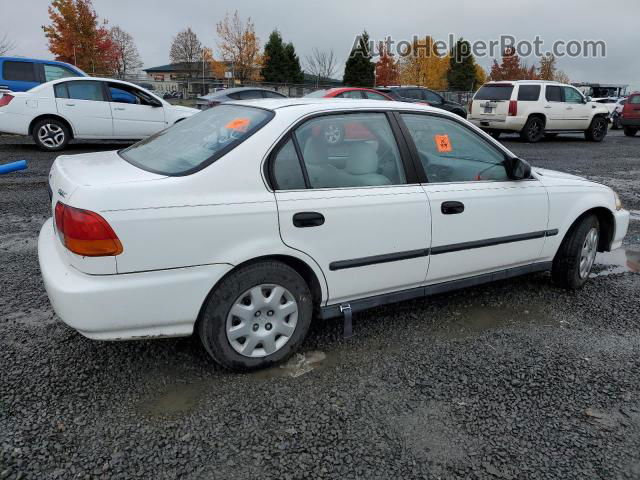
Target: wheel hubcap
588, 254
262, 320
51, 135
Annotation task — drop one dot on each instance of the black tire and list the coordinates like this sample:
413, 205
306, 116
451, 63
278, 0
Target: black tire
550, 135
597, 130
533, 130
615, 122
565, 271
51, 135
495, 134
630, 131
212, 325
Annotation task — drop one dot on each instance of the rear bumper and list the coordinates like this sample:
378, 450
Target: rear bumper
513, 124
160, 303
630, 122
621, 226
14, 123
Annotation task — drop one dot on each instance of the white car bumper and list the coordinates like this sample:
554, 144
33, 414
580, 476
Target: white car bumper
161, 303
621, 227
513, 124
14, 123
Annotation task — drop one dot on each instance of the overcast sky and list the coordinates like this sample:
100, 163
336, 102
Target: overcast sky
333, 24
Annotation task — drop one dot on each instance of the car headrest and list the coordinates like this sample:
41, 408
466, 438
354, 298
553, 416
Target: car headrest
315, 151
363, 159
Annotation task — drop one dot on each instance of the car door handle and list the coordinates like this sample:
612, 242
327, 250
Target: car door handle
569, 108
547, 106
452, 208
119, 108
308, 219
70, 104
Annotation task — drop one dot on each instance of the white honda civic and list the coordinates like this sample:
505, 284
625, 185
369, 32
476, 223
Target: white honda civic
247, 220
86, 108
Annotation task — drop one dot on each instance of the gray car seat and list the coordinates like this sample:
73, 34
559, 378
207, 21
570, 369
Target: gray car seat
363, 166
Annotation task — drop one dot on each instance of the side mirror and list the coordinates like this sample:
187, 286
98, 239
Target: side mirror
518, 169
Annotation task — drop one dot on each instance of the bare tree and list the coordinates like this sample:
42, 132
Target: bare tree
321, 64
128, 57
6, 45
186, 48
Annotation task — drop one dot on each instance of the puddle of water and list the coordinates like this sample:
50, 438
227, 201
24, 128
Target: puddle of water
616, 262
298, 365
175, 401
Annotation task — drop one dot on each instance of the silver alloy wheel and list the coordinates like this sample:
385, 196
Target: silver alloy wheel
51, 135
332, 134
262, 320
588, 254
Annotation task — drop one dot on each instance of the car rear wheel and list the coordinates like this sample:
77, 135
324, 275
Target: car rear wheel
495, 134
533, 130
51, 135
630, 132
257, 317
577, 253
597, 130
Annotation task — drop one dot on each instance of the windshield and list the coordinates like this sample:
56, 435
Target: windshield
494, 92
197, 141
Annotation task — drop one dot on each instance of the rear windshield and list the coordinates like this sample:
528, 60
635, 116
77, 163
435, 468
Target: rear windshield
197, 141
494, 92
317, 94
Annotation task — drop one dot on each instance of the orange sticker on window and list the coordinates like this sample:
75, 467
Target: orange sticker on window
442, 143
241, 124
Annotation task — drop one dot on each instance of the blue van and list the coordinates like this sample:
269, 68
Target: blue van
21, 74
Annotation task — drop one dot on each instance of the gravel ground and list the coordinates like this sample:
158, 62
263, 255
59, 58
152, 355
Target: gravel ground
516, 379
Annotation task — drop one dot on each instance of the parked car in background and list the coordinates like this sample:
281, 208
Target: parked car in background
630, 117
616, 112
537, 109
239, 93
424, 96
21, 74
86, 108
241, 222
353, 93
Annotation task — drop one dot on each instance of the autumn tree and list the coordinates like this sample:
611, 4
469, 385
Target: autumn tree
280, 62
76, 36
321, 64
425, 65
512, 68
480, 77
186, 49
359, 71
127, 55
462, 67
548, 70
6, 45
387, 69
240, 46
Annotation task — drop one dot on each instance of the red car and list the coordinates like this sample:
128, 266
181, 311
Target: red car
350, 92
630, 117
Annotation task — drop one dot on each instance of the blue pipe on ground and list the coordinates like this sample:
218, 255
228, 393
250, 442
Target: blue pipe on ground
13, 167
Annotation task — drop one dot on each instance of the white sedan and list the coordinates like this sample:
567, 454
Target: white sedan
246, 220
86, 108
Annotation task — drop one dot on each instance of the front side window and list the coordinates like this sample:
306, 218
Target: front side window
450, 152
351, 150
269, 94
374, 96
553, 93
19, 71
571, 95
634, 99
85, 90
56, 72
121, 93
197, 141
354, 94
413, 93
528, 93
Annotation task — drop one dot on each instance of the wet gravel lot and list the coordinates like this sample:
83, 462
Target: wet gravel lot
516, 379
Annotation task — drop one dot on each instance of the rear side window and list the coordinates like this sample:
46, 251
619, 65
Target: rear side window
353, 94
197, 141
494, 92
374, 96
528, 93
248, 95
272, 95
432, 97
413, 93
287, 171
61, 90
553, 94
56, 72
86, 90
634, 99
19, 71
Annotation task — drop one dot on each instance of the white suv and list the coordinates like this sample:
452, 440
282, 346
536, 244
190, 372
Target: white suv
537, 109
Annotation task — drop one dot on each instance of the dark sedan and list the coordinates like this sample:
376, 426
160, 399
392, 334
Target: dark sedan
423, 95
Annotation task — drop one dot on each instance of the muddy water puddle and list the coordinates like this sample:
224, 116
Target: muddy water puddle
298, 365
621, 260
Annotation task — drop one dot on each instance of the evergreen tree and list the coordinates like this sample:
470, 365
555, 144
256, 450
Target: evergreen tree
275, 62
462, 67
294, 71
359, 70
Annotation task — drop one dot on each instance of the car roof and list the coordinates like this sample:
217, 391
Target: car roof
312, 105
227, 91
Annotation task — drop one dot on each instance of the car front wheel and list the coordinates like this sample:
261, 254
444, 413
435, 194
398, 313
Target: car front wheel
577, 254
257, 317
597, 130
51, 135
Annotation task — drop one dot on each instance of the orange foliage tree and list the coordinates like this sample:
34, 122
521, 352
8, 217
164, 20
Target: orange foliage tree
387, 69
512, 68
425, 65
76, 36
240, 46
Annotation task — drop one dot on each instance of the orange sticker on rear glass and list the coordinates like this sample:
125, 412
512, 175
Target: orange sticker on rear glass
442, 143
241, 124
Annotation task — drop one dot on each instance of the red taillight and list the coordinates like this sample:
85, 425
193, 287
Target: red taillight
85, 233
513, 108
6, 99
